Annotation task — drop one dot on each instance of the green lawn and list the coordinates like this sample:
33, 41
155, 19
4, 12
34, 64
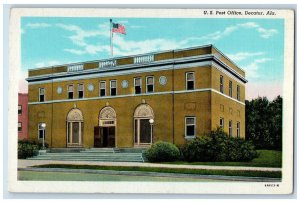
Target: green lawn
245, 173
62, 176
266, 158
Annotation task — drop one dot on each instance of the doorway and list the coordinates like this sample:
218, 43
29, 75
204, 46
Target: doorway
104, 137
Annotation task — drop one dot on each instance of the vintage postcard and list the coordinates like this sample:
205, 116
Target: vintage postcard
178, 101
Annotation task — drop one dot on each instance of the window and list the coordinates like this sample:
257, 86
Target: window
102, 88
70, 91
238, 129
41, 94
137, 85
238, 92
150, 84
190, 80
41, 131
80, 91
221, 83
230, 128
190, 127
113, 88
19, 126
222, 123
20, 109
230, 88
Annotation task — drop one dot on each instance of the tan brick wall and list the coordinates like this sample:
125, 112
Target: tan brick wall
229, 63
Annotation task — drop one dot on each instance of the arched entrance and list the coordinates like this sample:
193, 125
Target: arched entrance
142, 128
74, 128
105, 132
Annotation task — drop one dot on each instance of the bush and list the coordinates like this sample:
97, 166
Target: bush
162, 152
218, 146
28, 148
198, 150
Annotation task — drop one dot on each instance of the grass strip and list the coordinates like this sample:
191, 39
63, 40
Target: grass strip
266, 158
244, 173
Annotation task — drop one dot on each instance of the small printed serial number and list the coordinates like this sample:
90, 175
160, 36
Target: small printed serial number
272, 185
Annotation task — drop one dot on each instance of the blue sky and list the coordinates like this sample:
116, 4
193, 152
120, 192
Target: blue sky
256, 45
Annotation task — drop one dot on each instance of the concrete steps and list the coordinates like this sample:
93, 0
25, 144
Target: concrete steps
94, 154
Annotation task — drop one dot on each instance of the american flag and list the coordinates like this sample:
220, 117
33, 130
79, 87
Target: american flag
116, 27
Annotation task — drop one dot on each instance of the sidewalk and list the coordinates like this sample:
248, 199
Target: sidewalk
28, 163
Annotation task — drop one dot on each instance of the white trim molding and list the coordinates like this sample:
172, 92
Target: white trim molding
143, 94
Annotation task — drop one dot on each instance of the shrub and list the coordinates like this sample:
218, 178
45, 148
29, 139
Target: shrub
218, 146
162, 152
28, 148
198, 150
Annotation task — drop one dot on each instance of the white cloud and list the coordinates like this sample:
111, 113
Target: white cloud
135, 26
252, 68
243, 55
75, 51
38, 25
46, 63
264, 33
79, 38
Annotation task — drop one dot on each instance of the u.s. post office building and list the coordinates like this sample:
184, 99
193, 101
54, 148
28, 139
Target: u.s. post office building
134, 101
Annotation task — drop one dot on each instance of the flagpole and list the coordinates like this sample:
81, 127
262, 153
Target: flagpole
111, 38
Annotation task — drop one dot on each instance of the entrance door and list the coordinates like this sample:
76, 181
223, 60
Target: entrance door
104, 137
97, 137
145, 131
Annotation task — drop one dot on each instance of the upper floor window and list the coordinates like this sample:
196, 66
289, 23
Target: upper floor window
102, 88
113, 88
238, 93
222, 123
221, 83
238, 129
138, 85
230, 88
20, 109
19, 126
70, 92
230, 128
80, 91
150, 84
190, 81
190, 126
41, 94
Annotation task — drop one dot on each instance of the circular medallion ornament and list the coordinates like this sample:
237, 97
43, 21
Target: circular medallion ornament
124, 83
90, 87
59, 90
162, 80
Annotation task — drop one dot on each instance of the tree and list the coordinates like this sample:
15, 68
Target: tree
264, 122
